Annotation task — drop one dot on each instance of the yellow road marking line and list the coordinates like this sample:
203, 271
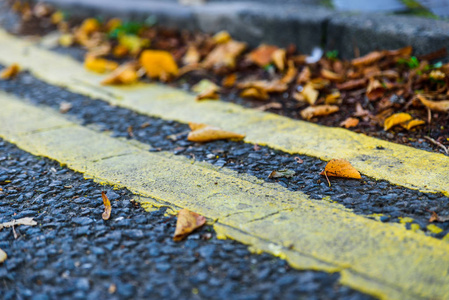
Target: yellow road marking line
379, 159
382, 259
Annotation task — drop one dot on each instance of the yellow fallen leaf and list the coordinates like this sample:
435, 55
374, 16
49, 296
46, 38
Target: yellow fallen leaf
99, 65
290, 74
222, 37
158, 64
107, 206
262, 55
224, 55
113, 24
229, 80
125, 74
255, 93
66, 40
319, 83
437, 75
350, 122
90, 26
10, 72
187, 222
319, 110
334, 98
278, 57
120, 51
375, 89
340, 168
3, 256
133, 43
206, 89
413, 123
57, 17
206, 133
192, 56
396, 119
434, 105
310, 94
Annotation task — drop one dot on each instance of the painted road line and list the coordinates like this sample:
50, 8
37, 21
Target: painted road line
378, 159
382, 259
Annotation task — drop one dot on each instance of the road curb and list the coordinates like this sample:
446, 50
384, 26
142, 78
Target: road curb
305, 26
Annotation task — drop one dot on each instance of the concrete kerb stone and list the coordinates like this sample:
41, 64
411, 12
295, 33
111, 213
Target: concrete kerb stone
305, 26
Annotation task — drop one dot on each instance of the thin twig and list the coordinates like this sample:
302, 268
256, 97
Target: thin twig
328, 181
437, 143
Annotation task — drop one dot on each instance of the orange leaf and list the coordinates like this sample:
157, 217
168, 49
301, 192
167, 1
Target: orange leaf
304, 76
90, 26
107, 206
262, 55
341, 168
350, 122
229, 80
206, 133
125, 74
352, 84
396, 119
434, 105
413, 123
436, 218
333, 98
255, 93
187, 222
368, 59
320, 110
158, 64
290, 74
224, 55
99, 65
10, 72
278, 58
120, 51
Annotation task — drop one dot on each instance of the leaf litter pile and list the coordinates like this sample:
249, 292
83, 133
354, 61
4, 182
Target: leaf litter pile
389, 94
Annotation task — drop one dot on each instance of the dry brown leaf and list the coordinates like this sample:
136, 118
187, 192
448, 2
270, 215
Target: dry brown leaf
319, 83
340, 168
205, 133
334, 77
224, 55
125, 74
304, 76
187, 222
271, 105
278, 57
413, 123
255, 93
316, 111
286, 173
368, 59
334, 98
10, 72
192, 56
375, 89
262, 55
99, 65
3, 256
107, 206
310, 94
290, 74
406, 51
352, 84
436, 218
23, 221
350, 122
229, 80
396, 119
434, 105
206, 89
273, 86
158, 64
64, 107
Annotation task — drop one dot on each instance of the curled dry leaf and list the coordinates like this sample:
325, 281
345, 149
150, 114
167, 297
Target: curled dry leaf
310, 94
406, 51
99, 65
262, 55
352, 84
192, 56
334, 98
64, 107
341, 168
396, 119
205, 133
287, 173
273, 86
125, 74
436, 218
320, 110
107, 206
368, 59
158, 64
229, 80
375, 89
278, 58
3, 256
10, 72
350, 122
23, 221
434, 105
255, 93
304, 76
290, 74
413, 123
224, 55
334, 77
206, 89
271, 105
187, 222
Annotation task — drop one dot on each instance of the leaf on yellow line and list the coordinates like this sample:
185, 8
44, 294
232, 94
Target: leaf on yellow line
187, 222
66, 40
3, 256
192, 56
436, 218
413, 123
340, 168
205, 133
10, 72
125, 74
158, 64
319, 110
262, 55
350, 122
222, 37
206, 89
107, 206
99, 65
434, 105
255, 93
224, 55
278, 57
396, 119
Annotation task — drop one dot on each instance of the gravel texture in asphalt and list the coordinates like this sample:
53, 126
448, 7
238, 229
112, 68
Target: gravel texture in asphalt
74, 254
365, 197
